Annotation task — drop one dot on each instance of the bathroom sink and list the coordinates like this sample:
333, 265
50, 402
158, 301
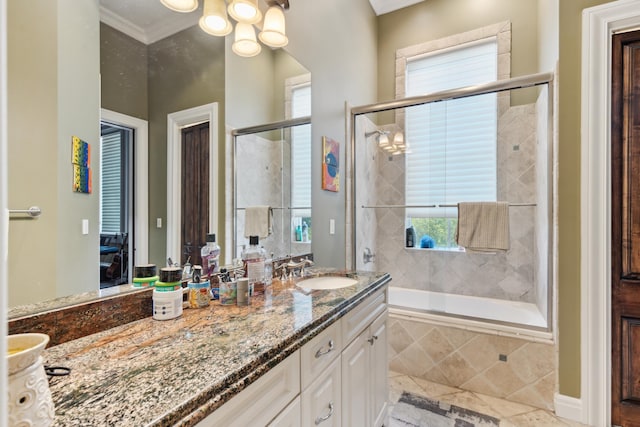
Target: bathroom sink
326, 282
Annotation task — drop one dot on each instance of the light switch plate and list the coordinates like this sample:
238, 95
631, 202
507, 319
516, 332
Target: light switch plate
85, 226
158, 222
332, 226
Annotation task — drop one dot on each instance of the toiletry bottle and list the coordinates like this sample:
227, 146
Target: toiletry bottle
253, 259
210, 254
411, 237
298, 233
305, 232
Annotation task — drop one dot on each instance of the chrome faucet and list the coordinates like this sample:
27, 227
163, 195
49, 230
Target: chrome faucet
289, 268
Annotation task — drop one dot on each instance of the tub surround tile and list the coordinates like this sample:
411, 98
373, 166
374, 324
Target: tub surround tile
436, 345
472, 361
176, 372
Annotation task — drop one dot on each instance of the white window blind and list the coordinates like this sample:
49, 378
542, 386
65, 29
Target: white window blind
110, 183
301, 152
452, 143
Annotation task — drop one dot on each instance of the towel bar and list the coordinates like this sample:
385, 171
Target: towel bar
433, 206
33, 211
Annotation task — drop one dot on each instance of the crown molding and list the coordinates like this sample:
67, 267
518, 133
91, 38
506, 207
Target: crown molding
153, 33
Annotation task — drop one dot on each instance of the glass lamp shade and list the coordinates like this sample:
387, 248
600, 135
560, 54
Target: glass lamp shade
245, 43
398, 140
245, 11
383, 140
214, 19
273, 29
183, 6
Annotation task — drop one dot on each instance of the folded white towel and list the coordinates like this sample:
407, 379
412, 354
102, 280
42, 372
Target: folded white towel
483, 226
257, 221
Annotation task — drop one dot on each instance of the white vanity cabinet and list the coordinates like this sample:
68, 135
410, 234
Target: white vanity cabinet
338, 378
364, 364
262, 401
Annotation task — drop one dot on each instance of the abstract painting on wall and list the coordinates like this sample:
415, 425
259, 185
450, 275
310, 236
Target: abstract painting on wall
330, 164
81, 161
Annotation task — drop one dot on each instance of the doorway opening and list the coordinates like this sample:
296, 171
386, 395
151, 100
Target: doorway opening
207, 115
116, 203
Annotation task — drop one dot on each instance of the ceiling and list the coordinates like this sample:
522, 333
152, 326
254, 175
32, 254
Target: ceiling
149, 21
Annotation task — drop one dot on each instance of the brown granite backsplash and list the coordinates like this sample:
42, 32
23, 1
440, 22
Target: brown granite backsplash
76, 321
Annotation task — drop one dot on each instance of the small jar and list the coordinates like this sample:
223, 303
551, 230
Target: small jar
199, 294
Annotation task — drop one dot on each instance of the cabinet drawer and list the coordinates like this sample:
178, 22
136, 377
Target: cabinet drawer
289, 417
259, 403
321, 401
318, 353
354, 322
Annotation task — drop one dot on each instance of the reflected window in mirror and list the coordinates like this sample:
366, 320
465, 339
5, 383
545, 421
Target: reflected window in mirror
115, 207
301, 165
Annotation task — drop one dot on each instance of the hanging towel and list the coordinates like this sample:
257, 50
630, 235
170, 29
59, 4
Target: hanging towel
257, 221
483, 226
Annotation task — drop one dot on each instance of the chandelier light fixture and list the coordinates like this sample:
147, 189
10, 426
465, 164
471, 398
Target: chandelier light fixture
395, 147
215, 21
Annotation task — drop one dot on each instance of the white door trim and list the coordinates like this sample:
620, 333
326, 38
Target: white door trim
175, 122
141, 201
4, 215
598, 25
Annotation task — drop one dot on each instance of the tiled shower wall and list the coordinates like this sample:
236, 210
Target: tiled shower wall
508, 276
260, 182
264, 178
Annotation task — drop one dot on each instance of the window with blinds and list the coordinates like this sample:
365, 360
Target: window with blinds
111, 185
301, 150
453, 152
301, 160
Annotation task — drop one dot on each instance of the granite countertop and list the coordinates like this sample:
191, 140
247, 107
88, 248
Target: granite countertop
176, 372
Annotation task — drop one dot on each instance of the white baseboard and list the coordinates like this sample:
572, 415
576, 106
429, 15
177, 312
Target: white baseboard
568, 407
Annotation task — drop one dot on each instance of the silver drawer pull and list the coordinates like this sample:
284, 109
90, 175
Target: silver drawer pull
321, 353
326, 417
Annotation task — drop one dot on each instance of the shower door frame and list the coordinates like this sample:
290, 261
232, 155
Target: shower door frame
532, 80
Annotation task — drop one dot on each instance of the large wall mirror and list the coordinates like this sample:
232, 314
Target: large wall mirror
143, 75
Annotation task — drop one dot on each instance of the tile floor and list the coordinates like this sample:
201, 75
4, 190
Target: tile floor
511, 414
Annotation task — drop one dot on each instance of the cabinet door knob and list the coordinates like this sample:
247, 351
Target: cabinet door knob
321, 352
372, 339
326, 417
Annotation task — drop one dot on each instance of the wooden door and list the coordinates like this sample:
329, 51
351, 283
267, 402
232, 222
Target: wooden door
625, 232
195, 191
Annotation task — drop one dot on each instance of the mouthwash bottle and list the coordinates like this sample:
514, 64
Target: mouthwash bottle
210, 256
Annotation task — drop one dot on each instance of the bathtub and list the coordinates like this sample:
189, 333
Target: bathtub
486, 315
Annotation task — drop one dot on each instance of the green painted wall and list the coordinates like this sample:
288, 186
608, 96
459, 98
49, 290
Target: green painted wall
434, 19
337, 41
124, 73
53, 94
569, 81
185, 70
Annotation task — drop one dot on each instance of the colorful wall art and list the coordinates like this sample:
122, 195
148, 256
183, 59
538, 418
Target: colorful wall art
330, 164
81, 161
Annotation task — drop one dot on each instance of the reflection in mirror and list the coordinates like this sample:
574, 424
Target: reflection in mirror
272, 176
143, 78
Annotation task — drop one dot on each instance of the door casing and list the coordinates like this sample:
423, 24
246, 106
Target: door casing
175, 122
598, 24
